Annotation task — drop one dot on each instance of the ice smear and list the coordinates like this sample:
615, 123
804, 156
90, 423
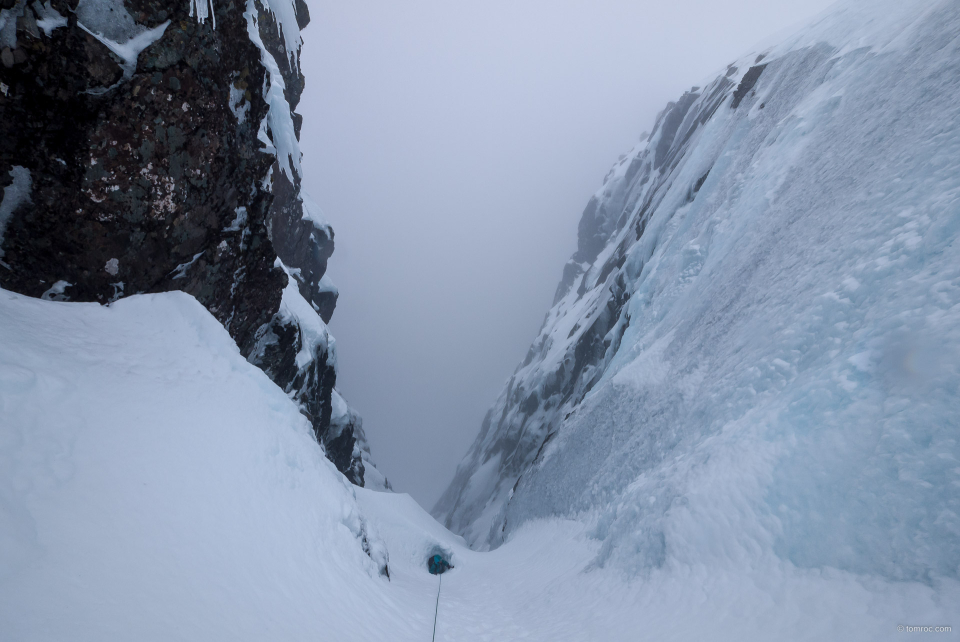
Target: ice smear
181, 270
109, 22
239, 221
117, 291
14, 195
130, 49
285, 13
56, 292
203, 9
238, 104
50, 18
276, 131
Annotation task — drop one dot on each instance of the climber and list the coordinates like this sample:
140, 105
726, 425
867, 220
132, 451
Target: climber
437, 565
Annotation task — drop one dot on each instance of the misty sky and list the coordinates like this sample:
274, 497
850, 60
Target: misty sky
453, 145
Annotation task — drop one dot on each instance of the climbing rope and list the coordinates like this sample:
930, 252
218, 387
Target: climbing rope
437, 609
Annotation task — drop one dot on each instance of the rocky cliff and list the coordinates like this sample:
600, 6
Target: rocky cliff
150, 145
754, 347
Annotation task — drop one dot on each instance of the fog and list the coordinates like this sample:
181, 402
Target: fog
453, 146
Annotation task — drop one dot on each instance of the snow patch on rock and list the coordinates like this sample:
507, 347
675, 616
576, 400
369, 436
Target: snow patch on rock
276, 130
50, 18
203, 9
109, 22
14, 195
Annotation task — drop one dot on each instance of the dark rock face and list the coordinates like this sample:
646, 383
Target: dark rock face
302, 242
275, 352
149, 176
135, 189
746, 85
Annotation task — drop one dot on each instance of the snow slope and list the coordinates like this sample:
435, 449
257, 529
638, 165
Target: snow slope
754, 353
156, 486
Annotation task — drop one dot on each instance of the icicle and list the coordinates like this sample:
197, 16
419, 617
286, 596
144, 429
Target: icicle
204, 10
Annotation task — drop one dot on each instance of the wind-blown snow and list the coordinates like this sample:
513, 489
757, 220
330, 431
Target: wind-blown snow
754, 355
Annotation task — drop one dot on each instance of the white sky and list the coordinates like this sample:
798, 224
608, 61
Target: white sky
453, 145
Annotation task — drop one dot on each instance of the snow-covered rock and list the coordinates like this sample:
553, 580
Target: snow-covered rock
153, 146
754, 352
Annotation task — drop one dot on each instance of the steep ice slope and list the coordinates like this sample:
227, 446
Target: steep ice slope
156, 486
755, 349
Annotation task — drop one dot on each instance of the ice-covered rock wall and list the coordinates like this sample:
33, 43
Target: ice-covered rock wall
755, 349
152, 145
